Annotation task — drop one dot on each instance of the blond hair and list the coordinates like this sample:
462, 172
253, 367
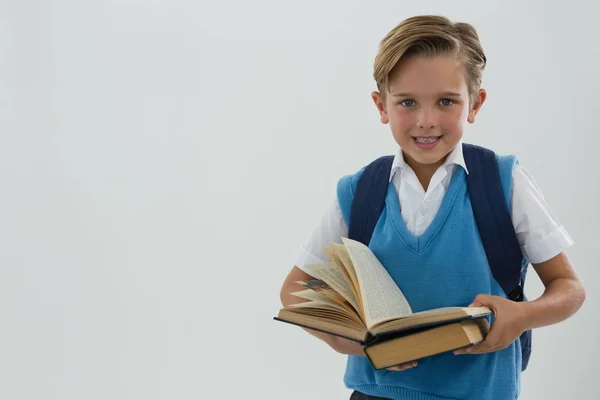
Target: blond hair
428, 36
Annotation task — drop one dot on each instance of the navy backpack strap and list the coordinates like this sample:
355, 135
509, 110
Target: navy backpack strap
369, 199
491, 213
496, 229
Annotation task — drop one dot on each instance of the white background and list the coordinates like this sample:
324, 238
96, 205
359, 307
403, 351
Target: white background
161, 161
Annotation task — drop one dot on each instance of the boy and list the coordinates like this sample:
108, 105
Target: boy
428, 73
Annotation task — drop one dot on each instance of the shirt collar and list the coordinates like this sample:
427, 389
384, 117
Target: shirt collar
455, 157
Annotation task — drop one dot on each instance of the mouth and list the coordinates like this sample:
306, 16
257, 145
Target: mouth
426, 142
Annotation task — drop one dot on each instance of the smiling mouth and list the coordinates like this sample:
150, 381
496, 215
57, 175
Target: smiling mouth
426, 139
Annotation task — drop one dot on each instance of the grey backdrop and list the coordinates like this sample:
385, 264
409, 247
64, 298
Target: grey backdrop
162, 160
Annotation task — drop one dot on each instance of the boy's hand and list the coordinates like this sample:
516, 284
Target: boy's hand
403, 367
509, 323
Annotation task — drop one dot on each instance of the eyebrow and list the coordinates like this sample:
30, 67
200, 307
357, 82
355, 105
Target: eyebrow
450, 94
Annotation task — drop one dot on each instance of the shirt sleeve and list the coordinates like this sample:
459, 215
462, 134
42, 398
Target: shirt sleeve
330, 229
539, 233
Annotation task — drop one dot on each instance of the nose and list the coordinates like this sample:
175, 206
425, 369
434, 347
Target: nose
426, 118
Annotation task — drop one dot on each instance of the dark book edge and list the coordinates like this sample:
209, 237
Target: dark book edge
369, 339
382, 337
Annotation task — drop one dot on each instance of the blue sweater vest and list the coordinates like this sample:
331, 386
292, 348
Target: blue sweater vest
445, 266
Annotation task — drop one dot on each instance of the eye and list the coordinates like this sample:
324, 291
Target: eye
407, 103
446, 102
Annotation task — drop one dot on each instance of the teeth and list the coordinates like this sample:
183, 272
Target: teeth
426, 140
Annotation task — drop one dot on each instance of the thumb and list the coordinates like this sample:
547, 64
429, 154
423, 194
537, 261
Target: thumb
481, 300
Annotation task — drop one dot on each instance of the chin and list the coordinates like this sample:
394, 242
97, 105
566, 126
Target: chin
429, 160
427, 157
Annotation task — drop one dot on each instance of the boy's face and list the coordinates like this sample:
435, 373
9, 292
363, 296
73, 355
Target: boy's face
427, 106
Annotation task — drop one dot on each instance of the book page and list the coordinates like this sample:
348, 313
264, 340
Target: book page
320, 297
322, 291
341, 255
336, 260
381, 297
327, 309
308, 294
345, 267
321, 306
331, 275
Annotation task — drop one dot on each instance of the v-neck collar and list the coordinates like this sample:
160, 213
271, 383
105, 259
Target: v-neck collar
419, 243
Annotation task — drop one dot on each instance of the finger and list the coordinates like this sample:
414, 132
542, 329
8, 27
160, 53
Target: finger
461, 351
491, 342
489, 345
403, 367
482, 347
481, 300
479, 349
399, 369
482, 350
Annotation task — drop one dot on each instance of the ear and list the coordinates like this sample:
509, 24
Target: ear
477, 103
380, 104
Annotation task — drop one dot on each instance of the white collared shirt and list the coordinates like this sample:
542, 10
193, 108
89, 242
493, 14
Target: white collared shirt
539, 233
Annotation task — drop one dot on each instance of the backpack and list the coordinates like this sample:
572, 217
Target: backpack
489, 208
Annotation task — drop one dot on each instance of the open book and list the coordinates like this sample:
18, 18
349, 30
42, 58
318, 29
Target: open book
354, 297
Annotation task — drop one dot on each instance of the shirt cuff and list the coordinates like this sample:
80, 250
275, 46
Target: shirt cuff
304, 258
548, 246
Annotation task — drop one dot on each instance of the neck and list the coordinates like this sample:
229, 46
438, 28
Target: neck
424, 172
